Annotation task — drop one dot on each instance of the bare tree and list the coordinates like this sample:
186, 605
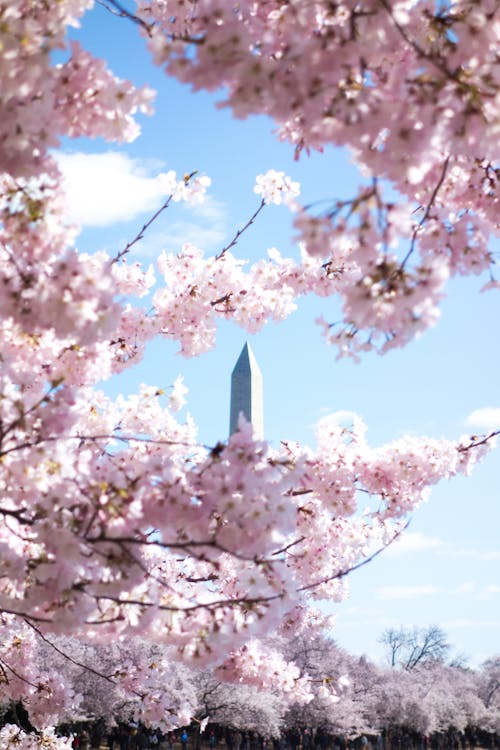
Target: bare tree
407, 648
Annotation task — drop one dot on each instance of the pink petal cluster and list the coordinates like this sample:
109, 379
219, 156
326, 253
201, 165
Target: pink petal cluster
411, 88
276, 187
116, 523
13, 736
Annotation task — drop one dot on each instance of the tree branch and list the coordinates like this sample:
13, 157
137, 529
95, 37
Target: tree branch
426, 212
117, 9
240, 232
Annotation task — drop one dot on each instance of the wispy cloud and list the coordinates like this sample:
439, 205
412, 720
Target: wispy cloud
491, 590
484, 591
475, 553
405, 592
208, 239
487, 418
204, 226
465, 588
490, 555
471, 622
414, 542
358, 610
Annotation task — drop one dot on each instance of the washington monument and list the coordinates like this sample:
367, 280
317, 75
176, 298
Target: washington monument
246, 393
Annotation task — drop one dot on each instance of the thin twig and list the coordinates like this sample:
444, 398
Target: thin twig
347, 571
288, 546
427, 211
240, 232
19, 676
67, 656
117, 9
145, 227
421, 52
80, 664
97, 438
140, 234
477, 441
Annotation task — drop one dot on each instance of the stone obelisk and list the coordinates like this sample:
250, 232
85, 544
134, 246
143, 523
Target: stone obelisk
247, 393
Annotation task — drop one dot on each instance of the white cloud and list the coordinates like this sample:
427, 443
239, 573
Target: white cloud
343, 416
405, 592
487, 418
413, 542
106, 188
465, 588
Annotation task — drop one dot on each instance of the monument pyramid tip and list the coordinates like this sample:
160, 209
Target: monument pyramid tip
246, 361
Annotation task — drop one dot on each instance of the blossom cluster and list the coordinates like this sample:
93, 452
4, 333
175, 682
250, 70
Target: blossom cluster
11, 735
276, 187
411, 88
116, 522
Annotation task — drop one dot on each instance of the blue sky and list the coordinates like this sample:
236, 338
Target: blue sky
446, 570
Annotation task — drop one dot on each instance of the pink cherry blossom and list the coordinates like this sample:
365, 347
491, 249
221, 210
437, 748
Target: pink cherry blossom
118, 525
276, 187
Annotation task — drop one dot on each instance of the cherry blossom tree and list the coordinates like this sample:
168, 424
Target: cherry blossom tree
116, 522
117, 681
240, 706
434, 698
489, 692
490, 687
411, 88
448, 696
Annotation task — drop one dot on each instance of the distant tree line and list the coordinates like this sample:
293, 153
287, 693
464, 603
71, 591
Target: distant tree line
423, 699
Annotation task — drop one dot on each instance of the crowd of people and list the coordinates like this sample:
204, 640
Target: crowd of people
134, 736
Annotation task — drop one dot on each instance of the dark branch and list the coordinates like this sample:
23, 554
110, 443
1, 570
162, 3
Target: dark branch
240, 231
117, 9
